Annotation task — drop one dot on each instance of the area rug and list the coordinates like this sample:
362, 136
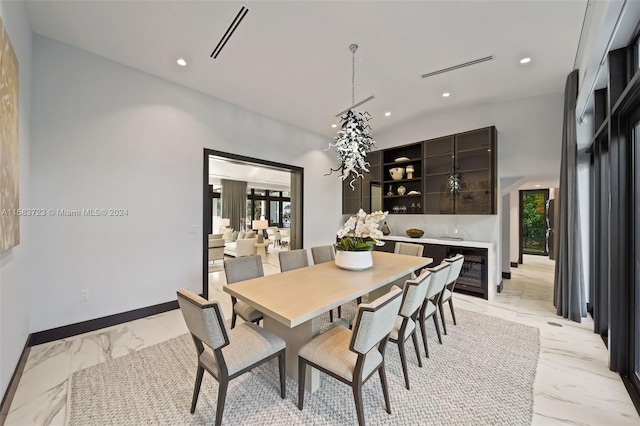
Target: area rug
482, 374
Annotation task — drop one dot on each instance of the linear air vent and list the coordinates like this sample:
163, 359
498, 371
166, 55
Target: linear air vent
227, 35
455, 67
355, 106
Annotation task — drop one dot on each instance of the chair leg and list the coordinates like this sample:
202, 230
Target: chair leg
423, 329
282, 368
233, 319
359, 300
435, 322
403, 361
453, 314
444, 325
385, 388
301, 376
196, 389
414, 335
331, 315
222, 396
357, 396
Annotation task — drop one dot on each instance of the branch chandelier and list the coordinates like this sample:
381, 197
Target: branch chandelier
354, 137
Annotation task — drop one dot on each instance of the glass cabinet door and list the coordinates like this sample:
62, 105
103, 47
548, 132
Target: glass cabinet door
473, 159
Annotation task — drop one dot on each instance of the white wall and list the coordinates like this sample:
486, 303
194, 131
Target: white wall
529, 145
107, 136
14, 263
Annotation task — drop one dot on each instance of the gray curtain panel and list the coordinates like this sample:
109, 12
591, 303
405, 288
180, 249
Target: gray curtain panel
569, 292
296, 210
234, 202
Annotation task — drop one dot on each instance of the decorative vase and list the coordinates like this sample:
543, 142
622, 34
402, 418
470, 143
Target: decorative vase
354, 260
385, 229
396, 173
401, 190
409, 171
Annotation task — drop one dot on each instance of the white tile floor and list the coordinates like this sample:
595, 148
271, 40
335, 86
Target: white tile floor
573, 384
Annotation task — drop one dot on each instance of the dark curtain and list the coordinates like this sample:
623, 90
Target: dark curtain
569, 293
296, 210
234, 202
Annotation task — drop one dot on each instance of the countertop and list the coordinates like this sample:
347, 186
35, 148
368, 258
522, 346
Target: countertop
441, 241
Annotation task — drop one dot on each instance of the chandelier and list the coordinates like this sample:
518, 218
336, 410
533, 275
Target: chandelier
354, 137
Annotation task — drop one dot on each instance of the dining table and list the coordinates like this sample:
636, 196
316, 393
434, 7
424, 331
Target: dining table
293, 301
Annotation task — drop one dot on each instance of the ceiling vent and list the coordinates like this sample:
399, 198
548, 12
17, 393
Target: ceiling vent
355, 106
227, 35
455, 67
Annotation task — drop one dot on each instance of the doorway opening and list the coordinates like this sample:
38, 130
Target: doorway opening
533, 222
271, 192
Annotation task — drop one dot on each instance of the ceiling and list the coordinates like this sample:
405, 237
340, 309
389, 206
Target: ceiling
290, 60
256, 175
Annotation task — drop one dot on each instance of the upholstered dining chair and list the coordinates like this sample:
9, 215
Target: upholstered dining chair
228, 356
242, 269
354, 356
409, 249
439, 275
413, 296
322, 254
293, 259
456, 263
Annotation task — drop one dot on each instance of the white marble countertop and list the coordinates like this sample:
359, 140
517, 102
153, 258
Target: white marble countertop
441, 241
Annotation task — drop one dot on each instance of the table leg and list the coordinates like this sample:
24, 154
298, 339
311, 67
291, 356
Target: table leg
260, 250
296, 338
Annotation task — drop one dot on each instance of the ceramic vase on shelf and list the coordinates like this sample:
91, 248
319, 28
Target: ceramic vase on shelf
354, 260
401, 190
409, 171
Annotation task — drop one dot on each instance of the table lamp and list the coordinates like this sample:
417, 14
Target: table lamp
260, 226
224, 223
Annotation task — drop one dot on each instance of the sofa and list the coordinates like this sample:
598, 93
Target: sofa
216, 247
241, 247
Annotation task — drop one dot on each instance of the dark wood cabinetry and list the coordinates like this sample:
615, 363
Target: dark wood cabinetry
474, 277
473, 155
402, 179
422, 171
359, 197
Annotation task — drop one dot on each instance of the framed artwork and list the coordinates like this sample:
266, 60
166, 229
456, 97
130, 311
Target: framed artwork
9, 193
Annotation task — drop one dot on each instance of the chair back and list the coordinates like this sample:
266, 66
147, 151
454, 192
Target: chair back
293, 259
204, 319
439, 275
322, 254
456, 263
374, 321
409, 249
414, 294
243, 268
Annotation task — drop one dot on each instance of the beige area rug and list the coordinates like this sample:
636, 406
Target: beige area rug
482, 375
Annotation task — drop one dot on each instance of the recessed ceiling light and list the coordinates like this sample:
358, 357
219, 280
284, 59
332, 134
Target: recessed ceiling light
446, 94
386, 114
334, 125
537, 186
525, 60
182, 62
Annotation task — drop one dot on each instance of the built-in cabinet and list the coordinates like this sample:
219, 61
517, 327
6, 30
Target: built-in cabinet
473, 279
416, 178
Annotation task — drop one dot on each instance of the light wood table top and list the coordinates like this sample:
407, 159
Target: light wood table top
300, 295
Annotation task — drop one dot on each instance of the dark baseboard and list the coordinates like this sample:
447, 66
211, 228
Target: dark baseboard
7, 399
633, 393
500, 286
514, 264
98, 323
506, 275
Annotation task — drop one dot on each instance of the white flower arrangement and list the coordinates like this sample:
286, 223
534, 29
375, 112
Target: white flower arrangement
360, 232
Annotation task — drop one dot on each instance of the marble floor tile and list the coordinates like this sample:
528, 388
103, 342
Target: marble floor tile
573, 384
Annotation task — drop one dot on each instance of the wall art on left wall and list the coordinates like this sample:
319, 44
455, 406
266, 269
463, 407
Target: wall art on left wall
9, 193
